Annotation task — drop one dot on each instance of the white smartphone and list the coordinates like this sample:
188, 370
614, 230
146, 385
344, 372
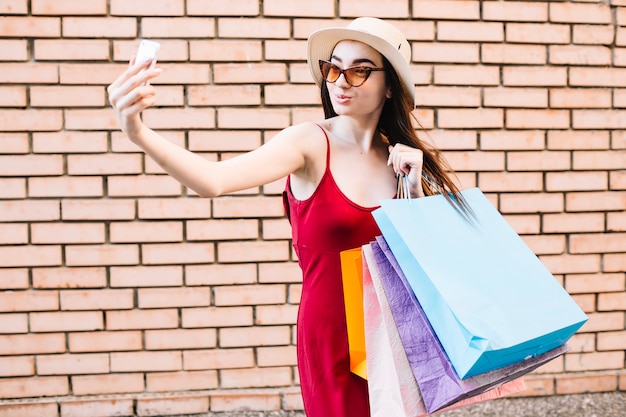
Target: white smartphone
148, 51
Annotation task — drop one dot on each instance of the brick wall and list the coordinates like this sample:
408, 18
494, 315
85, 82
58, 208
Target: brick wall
122, 291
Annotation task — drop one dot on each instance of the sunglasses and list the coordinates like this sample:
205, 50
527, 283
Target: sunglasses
355, 76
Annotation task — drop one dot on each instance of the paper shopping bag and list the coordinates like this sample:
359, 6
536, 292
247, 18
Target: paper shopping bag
488, 298
439, 384
393, 389
352, 281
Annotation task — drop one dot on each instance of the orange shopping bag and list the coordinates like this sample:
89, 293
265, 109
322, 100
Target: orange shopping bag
352, 279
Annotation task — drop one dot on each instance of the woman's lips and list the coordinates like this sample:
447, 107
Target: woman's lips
342, 99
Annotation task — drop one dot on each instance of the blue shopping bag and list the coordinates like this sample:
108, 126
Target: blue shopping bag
489, 299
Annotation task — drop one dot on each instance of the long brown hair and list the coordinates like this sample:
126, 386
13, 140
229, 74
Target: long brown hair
396, 125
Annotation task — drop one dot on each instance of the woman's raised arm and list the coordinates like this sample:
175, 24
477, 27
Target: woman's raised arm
286, 153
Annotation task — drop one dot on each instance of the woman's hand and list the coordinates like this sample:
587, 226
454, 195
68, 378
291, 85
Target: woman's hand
408, 161
130, 94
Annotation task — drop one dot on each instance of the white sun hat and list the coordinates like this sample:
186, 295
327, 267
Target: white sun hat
380, 35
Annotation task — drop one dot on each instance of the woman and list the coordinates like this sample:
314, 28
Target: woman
338, 170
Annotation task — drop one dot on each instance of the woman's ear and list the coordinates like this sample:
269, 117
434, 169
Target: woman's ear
388, 93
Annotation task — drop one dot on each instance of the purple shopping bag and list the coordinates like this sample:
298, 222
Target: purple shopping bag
439, 384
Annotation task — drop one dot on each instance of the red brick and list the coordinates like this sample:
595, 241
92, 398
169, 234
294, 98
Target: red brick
61, 7
228, 401
609, 321
97, 408
14, 279
254, 336
70, 364
225, 50
580, 98
66, 321
576, 181
107, 384
32, 344
222, 229
71, 49
510, 181
12, 256
65, 187
446, 9
616, 222
389, 9
580, 13
537, 119
253, 251
145, 361
12, 301
12, 96
470, 118
612, 340
534, 76
100, 27
178, 27
573, 222
28, 26
180, 339
240, 8
598, 243
545, 245
447, 96
183, 253
218, 359
595, 201
13, 323
612, 301
147, 8
13, 7
595, 34
95, 255
585, 283
323, 8
580, 55
22, 409
69, 142
567, 140
594, 361
217, 317
572, 264
256, 377
146, 276
538, 161
578, 384
141, 319
597, 77
34, 387
524, 224
173, 297
277, 229
544, 33
67, 233
118, 209
90, 277
101, 299
467, 53
233, 73
276, 356
513, 54
221, 274
515, 97
173, 405
104, 341
276, 314
476, 160
143, 185
242, 118
28, 73
613, 160
249, 295
13, 234
149, 231
470, 31
181, 381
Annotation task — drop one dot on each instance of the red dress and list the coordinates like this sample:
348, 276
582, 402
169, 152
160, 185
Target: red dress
322, 226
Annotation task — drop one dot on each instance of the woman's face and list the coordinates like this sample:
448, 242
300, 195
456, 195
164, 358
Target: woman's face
370, 96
